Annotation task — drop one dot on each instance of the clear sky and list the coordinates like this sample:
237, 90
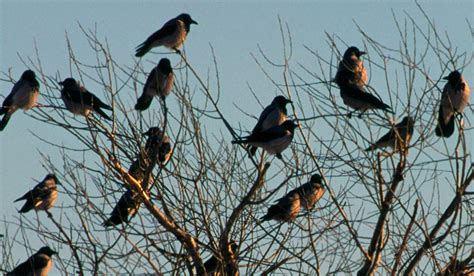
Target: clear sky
233, 28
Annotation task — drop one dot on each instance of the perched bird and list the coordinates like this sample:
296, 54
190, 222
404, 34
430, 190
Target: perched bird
80, 101
273, 115
351, 68
126, 208
159, 83
355, 97
454, 99
213, 264
24, 95
286, 209
274, 140
310, 192
39, 264
171, 35
398, 137
42, 197
158, 144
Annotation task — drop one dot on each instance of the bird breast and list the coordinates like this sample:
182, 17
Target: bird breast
455, 100
77, 108
276, 145
47, 202
26, 97
176, 39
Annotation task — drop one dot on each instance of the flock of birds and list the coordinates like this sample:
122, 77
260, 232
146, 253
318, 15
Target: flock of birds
273, 132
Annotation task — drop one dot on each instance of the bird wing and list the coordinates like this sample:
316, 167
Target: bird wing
261, 119
9, 99
28, 267
168, 29
268, 135
151, 80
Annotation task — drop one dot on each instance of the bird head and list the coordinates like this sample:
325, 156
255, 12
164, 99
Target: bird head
453, 77
47, 251
69, 82
52, 177
289, 125
165, 66
281, 101
28, 75
186, 18
353, 51
153, 131
316, 178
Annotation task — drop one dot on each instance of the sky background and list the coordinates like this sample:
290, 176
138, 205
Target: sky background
233, 28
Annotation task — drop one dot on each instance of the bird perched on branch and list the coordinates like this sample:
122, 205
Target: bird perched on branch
39, 264
158, 144
273, 115
126, 208
310, 192
351, 68
171, 35
286, 209
80, 101
213, 264
274, 140
455, 98
24, 95
42, 197
398, 137
159, 83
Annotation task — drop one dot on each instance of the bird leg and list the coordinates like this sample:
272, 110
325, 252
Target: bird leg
278, 155
177, 51
349, 115
360, 115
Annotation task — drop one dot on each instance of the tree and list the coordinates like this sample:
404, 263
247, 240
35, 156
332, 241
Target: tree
212, 193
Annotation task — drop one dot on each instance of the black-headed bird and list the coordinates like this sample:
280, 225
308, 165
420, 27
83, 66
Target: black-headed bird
39, 264
397, 138
357, 98
213, 264
310, 192
24, 95
80, 101
286, 209
126, 208
171, 35
42, 197
158, 144
273, 115
351, 68
273, 140
159, 83
455, 98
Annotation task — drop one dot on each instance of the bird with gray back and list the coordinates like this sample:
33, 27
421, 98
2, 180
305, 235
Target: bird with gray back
310, 192
172, 35
351, 68
273, 140
286, 209
126, 208
159, 83
23, 95
397, 138
80, 101
39, 264
273, 115
42, 197
455, 98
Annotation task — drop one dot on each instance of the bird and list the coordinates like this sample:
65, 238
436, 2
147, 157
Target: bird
351, 68
171, 35
274, 140
159, 83
273, 115
310, 192
126, 208
285, 210
454, 99
158, 144
357, 98
213, 264
397, 138
80, 101
42, 197
39, 264
24, 95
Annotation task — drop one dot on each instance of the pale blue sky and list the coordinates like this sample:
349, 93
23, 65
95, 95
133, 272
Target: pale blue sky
233, 28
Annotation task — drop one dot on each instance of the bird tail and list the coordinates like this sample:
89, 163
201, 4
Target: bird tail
105, 106
5, 120
252, 150
143, 102
113, 220
265, 218
238, 142
102, 113
3, 110
27, 207
141, 50
442, 129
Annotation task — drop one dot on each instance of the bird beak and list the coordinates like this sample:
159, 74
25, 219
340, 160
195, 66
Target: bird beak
288, 101
54, 252
363, 53
61, 83
445, 78
194, 22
